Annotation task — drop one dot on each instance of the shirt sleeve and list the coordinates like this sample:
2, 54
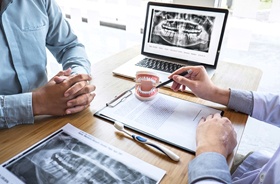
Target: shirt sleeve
63, 43
16, 110
267, 107
241, 101
259, 105
209, 166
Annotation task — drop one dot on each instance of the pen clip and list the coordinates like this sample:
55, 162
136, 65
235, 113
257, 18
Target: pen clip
119, 99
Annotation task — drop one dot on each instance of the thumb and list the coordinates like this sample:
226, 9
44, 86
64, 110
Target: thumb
59, 79
61, 76
182, 80
67, 72
64, 72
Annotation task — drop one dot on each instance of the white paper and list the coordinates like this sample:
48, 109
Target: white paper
8, 178
73, 156
166, 118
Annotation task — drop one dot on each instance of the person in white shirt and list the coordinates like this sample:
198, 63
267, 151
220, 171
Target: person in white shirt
216, 137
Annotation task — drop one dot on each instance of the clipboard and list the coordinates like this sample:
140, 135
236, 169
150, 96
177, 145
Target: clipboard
168, 119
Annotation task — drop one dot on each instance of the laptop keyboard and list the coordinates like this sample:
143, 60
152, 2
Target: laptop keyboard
158, 65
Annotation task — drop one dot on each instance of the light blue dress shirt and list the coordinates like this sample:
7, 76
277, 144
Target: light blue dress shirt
256, 168
27, 28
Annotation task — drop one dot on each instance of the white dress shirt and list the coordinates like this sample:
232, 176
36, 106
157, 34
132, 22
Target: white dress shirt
257, 167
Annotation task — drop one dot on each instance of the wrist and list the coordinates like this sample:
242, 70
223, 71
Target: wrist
36, 104
220, 95
206, 149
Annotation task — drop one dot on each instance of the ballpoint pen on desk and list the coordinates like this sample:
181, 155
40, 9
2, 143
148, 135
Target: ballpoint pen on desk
119, 126
170, 80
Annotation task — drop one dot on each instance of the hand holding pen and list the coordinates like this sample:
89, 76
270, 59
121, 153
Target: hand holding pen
199, 83
171, 80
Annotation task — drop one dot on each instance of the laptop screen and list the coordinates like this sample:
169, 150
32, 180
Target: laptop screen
185, 33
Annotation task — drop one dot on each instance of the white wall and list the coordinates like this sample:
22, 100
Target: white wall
209, 3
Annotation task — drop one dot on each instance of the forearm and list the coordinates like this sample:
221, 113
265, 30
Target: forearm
16, 110
64, 44
238, 100
78, 62
219, 95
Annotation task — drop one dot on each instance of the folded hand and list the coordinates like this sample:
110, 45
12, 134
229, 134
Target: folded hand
63, 94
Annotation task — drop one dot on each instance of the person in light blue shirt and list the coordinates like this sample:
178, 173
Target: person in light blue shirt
27, 28
216, 137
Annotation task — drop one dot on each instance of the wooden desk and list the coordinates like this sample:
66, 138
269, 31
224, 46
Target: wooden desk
17, 139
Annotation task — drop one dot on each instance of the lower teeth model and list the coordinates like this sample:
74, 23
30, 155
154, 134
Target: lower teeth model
145, 85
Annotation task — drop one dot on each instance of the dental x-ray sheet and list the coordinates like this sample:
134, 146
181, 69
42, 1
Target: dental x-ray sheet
73, 156
166, 118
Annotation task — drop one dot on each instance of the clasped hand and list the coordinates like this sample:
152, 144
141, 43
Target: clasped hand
63, 94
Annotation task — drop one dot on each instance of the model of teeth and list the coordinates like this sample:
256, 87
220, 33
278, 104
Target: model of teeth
146, 82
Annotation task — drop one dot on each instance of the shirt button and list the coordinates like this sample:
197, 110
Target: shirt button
262, 176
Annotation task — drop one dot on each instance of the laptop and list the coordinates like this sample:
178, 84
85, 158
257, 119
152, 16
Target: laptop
177, 35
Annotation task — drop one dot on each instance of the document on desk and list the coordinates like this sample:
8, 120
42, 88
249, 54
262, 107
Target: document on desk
166, 118
73, 156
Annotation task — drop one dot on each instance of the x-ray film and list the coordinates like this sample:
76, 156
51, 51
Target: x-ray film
73, 156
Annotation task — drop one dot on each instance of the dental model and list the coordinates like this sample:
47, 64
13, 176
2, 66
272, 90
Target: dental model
146, 82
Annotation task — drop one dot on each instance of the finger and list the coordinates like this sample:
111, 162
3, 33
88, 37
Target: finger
175, 86
76, 109
209, 117
61, 73
67, 72
59, 79
202, 120
182, 80
64, 72
190, 72
84, 99
79, 89
177, 72
217, 115
78, 78
75, 88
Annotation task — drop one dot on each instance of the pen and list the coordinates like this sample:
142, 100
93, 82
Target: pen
170, 80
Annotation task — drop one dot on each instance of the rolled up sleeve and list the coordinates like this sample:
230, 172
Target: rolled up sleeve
209, 166
241, 101
16, 110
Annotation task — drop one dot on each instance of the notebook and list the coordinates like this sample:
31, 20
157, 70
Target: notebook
177, 35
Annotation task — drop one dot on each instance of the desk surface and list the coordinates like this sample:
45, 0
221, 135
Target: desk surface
19, 138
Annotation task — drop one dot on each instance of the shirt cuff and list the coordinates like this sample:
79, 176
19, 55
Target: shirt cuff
209, 165
241, 101
17, 109
79, 70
